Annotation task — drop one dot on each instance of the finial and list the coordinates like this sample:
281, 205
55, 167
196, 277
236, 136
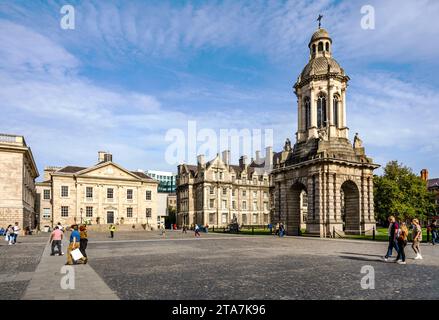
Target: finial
319, 19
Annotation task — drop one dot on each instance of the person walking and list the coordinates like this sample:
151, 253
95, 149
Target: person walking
112, 230
184, 229
392, 232
417, 238
197, 230
75, 239
402, 242
434, 233
16, 232
56, 239
10, 235
162, 229
281, 230
83, 241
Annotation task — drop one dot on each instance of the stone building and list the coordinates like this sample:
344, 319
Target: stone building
216, 192
18, 172
432, 186
323, 166
104, 193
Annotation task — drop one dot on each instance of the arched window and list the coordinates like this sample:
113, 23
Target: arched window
307, 106
313, 48
327, 46
335, 103
320, 46
321, 111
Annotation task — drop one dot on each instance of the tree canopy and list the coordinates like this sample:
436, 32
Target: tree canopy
401, 193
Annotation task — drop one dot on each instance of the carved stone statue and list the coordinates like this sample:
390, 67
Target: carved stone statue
287, 146
323, 135
358, 143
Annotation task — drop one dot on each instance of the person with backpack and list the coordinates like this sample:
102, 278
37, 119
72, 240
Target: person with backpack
392, 233
402, 242
197, 231
417, 238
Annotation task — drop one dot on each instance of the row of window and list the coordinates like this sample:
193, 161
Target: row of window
244, 192
322, 118
89, 193
243, 205
89, 212
321, 47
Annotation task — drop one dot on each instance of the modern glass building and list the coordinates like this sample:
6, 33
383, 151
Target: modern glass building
167, 180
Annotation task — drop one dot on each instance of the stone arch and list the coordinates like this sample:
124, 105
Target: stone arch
350, 206
294, 207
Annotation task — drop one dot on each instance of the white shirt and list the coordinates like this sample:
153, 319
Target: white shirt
16, 229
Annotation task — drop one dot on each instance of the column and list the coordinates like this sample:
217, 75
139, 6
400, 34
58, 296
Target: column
313, 129
331, 132
343, 114
299, 117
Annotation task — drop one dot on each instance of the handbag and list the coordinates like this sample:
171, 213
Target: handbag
76, 254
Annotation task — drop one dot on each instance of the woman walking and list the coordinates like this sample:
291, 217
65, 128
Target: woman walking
75, 239
417, 238
83, 241
9, 234
402, 242
392, 233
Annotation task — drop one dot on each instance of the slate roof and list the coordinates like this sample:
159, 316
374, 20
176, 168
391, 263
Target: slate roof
433, 183
71, 169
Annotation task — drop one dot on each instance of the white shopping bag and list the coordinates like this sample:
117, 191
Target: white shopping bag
76, 254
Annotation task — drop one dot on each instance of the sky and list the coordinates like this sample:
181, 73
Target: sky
130, 71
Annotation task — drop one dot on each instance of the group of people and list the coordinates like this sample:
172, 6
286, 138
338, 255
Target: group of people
11, 233
78, 240
398, 238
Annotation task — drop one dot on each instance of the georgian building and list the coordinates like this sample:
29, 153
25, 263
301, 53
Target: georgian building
323, 167
105, 193
18, 172
216, 192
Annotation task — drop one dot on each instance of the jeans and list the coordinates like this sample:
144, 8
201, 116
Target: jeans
82, 246
401, 252
434, 236
56, 243
392, 244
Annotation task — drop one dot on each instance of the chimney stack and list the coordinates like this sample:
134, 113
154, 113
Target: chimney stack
101, 155
200, 160
226, 157
243, 161
258, 157
424, 174
269, 157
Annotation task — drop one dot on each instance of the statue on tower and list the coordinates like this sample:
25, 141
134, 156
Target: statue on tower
287, 146
358, 143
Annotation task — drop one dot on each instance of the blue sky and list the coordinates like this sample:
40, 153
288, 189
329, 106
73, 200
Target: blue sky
131, 70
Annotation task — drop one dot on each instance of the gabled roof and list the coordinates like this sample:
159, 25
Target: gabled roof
71, 169
433, 183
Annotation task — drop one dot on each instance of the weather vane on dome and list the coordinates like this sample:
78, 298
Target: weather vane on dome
319, 19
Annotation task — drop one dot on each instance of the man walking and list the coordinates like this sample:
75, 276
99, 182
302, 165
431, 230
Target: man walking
74, 244
197, 231
56, 239
392, 232
112, 229
434, 235
16, 232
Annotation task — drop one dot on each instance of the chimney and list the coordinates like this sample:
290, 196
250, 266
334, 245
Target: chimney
226, 157
243, 161
101, 155
258, 157
200, 160
108, 157
424, 174
269, 157
48, 172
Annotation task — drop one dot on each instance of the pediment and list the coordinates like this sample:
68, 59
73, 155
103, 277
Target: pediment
108, 170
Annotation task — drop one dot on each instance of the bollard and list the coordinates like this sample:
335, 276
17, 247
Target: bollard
333, 232
253, 230
299, 232
224, 229
373, 233
213, 229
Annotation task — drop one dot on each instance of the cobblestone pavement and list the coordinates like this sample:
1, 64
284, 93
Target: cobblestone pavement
147, 265
18, 263
258, 267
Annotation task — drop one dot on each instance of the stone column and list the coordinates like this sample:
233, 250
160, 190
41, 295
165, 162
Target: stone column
299, 117
344, 129
332, 128
313, 129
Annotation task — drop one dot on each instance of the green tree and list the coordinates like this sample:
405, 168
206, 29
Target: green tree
401, 193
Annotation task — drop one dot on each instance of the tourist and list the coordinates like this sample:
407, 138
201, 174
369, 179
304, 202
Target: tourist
56, 239
206, 228
402, 242
16, 232
75, 239
417, 238
163, 230
392, 233
112, 230
83, 241
270, 227
276, 231
434, 233
197, 230
2, 231
184, 230
9, 234
281, 229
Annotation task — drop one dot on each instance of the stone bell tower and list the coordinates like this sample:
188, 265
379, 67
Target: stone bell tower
324, 183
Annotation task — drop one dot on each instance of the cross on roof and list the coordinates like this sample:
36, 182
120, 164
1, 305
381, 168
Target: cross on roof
319, 19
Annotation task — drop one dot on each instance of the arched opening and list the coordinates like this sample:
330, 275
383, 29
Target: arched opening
321, 111
313, 49
320, 46
307, 112
327, 46
335, 106
350, 207
296, 209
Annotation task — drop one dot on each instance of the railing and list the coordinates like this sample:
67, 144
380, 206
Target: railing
9, 138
